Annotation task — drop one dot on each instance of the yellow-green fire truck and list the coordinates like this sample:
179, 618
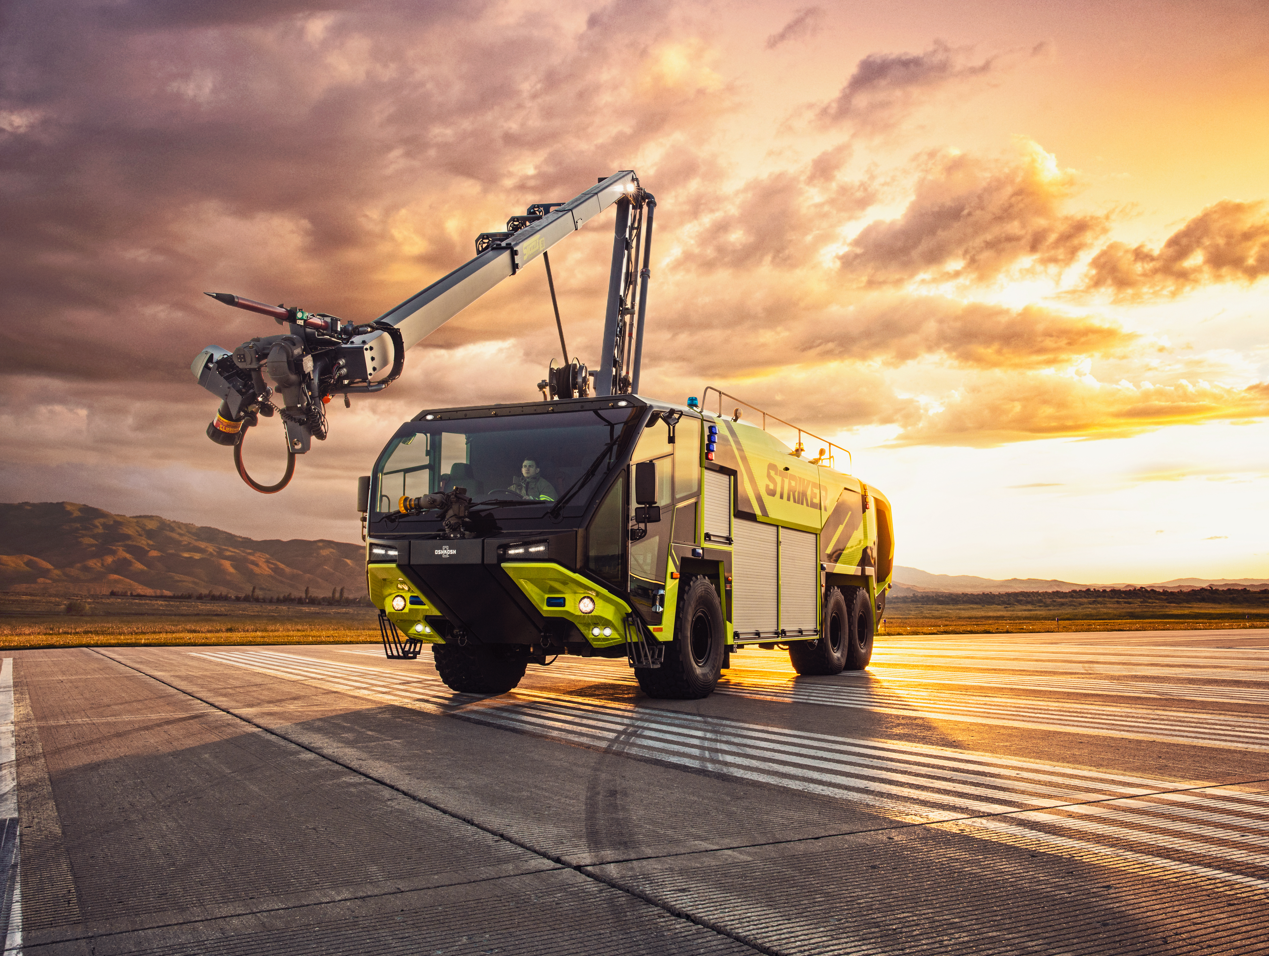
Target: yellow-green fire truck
595, 522
694, 536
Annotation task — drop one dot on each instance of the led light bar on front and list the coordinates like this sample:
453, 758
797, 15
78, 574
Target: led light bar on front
514, 552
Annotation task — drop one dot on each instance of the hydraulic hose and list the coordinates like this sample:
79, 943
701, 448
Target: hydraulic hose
251, 482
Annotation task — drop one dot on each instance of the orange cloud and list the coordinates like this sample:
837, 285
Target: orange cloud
1226, 242
973, 220
996, 409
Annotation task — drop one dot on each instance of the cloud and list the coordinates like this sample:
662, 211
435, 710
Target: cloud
971, 219
996, 408
1226, 242
308, 157
782, 219
886, 87
805, 23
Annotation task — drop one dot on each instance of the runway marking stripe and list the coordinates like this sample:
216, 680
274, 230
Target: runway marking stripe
725, 756
916, 783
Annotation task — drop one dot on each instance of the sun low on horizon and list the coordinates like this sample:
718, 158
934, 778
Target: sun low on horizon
1015, 259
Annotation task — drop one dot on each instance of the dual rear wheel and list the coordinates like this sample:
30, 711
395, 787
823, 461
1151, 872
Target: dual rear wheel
845, 643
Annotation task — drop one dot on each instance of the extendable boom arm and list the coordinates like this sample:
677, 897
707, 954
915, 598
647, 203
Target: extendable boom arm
319, 356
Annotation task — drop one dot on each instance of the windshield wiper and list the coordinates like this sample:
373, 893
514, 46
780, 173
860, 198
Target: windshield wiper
587, 475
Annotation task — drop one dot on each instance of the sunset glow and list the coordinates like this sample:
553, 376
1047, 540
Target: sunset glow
1014, 256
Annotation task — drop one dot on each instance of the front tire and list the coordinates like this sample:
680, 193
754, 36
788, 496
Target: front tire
694, 659
826, 654
859, 649
478, 670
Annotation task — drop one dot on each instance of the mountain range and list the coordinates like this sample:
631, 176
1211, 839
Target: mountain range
62, 547
67, 548
913, 580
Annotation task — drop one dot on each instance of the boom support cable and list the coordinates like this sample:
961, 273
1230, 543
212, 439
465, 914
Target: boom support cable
555, 305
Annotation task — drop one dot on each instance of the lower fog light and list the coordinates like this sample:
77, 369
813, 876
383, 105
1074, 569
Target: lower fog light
608, 632
418, 628
594, 631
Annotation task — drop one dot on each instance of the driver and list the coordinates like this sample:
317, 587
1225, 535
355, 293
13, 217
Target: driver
531, 484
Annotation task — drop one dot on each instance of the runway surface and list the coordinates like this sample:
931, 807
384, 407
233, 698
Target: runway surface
1007, 794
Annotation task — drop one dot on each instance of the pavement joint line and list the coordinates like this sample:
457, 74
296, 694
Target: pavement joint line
454, 815
293, 907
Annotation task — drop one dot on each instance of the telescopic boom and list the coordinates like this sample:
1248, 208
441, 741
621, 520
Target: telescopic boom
319, 355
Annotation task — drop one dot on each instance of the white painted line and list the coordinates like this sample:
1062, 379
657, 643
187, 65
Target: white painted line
10, 878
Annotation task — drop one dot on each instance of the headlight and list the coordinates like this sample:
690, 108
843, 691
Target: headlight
398, 602
586, 605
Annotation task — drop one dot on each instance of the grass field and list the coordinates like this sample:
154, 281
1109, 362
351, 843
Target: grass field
42, 621
1137, 609
28, 621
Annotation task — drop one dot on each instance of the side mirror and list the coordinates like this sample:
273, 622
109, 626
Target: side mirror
645, 483
363, 494
648, 514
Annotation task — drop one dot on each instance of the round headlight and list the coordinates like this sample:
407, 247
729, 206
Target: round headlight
398, 602
586, 605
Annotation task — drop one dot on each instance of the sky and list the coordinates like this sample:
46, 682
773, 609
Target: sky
1014, 256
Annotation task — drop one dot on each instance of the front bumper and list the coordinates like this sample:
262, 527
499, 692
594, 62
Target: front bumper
506, 603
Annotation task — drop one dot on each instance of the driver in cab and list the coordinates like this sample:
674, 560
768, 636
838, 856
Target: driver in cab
530, 484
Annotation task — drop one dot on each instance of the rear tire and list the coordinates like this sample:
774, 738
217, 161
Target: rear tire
694, 659
478, 670
827, 654
859, 648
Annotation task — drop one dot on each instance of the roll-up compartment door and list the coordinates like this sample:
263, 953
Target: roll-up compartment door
717, 505
799, 581
754, 566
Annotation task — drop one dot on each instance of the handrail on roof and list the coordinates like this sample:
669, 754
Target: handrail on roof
799, 449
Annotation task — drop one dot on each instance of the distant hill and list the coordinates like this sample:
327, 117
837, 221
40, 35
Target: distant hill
62, 547
915, 581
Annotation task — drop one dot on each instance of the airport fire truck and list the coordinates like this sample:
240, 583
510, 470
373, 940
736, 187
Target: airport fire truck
593, 522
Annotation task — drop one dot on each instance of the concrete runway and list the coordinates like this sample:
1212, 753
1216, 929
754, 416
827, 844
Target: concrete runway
1010, 794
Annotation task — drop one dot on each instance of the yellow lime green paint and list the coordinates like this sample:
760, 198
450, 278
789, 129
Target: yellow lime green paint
385, 581
539, 580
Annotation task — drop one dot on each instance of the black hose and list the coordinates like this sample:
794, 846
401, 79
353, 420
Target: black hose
251, 482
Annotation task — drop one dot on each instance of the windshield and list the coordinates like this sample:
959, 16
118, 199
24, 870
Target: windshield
515, 461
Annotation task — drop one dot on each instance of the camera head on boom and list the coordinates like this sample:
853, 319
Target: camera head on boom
293, 374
